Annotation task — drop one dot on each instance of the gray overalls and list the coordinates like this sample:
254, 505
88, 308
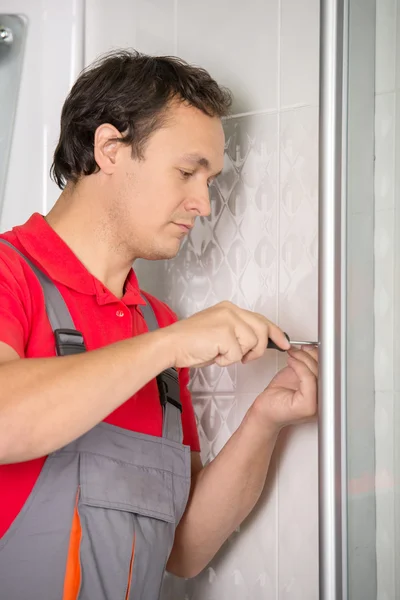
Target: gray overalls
128, 489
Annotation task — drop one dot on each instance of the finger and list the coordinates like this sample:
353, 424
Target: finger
307, 393
233, 354
246, 337
277, 335
305, 357
265, 329
312, 351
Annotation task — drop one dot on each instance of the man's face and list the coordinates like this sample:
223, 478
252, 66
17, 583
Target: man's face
157, 199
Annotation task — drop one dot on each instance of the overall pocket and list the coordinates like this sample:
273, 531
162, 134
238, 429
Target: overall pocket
127, 524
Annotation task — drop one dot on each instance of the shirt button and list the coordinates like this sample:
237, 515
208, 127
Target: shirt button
120, 313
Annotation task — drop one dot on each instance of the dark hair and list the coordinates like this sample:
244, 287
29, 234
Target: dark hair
131, 91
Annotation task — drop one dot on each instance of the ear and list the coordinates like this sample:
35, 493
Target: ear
106, 147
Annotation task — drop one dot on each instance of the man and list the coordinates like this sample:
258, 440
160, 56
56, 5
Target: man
102, 483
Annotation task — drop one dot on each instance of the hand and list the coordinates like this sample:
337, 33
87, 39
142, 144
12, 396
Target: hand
291, 396
223, 334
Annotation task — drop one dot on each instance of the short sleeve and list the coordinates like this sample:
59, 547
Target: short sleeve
14, 324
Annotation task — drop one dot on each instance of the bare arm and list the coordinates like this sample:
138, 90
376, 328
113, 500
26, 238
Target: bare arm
45, 403
225, 492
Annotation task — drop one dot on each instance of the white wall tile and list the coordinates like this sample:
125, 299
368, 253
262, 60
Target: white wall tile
298, 514
397, 45
298, 222
386, 437
385, 120
385, 45
299, 56
155, 28
360, 280
397, 251
146, 25
384, 300
387, 276
108, 25
237, 43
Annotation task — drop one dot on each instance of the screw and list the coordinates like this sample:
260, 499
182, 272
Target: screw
6, 35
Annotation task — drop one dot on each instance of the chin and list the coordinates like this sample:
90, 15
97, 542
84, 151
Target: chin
162, 253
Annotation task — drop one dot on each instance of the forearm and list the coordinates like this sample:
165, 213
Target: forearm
223, 494
45, 403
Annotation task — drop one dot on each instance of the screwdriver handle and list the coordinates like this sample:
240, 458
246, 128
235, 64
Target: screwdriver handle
273, 346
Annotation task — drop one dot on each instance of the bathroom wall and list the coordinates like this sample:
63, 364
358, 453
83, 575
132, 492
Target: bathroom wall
258, 249
53, 57
387, 295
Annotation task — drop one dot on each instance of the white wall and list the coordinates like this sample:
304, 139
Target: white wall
53, 58
259, 248
387, 295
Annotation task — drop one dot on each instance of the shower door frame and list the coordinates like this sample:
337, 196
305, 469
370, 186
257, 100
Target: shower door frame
346, 183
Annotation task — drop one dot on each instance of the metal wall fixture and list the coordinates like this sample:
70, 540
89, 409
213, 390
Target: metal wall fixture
6, 35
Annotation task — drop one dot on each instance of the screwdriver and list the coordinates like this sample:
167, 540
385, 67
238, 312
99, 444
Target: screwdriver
273, 346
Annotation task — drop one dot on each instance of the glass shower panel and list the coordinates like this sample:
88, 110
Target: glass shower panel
387, 288
359, 342
373, 313
13, 29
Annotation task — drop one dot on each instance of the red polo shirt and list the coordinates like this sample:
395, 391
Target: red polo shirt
97, 313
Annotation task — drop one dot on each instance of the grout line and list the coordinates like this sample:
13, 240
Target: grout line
271, 111
386, 92
384, 209
394, 294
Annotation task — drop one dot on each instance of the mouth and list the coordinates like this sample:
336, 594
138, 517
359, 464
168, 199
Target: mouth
185, 226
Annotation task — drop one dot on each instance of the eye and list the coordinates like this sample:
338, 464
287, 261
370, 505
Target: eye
185, 174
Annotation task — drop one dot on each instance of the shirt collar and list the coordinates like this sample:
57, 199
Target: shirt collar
53, 256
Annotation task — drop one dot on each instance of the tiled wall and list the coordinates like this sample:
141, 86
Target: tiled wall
258, 248
387, 294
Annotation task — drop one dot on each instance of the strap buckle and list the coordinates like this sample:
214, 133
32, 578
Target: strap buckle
69, 341
168, 388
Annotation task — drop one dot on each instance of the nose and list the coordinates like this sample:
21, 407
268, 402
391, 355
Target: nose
199, 203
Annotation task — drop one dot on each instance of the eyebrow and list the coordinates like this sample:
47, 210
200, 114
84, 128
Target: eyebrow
199, 160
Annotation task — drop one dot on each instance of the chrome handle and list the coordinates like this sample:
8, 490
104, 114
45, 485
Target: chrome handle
331, 293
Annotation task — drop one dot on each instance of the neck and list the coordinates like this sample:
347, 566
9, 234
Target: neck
80, 220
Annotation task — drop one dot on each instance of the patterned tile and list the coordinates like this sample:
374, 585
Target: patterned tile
260, 254
232, 254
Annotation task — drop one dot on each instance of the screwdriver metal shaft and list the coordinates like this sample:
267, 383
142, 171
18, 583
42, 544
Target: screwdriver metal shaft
296, 343
272, 346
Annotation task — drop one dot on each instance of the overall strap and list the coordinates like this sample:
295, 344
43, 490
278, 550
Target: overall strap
168, 388
68, 339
